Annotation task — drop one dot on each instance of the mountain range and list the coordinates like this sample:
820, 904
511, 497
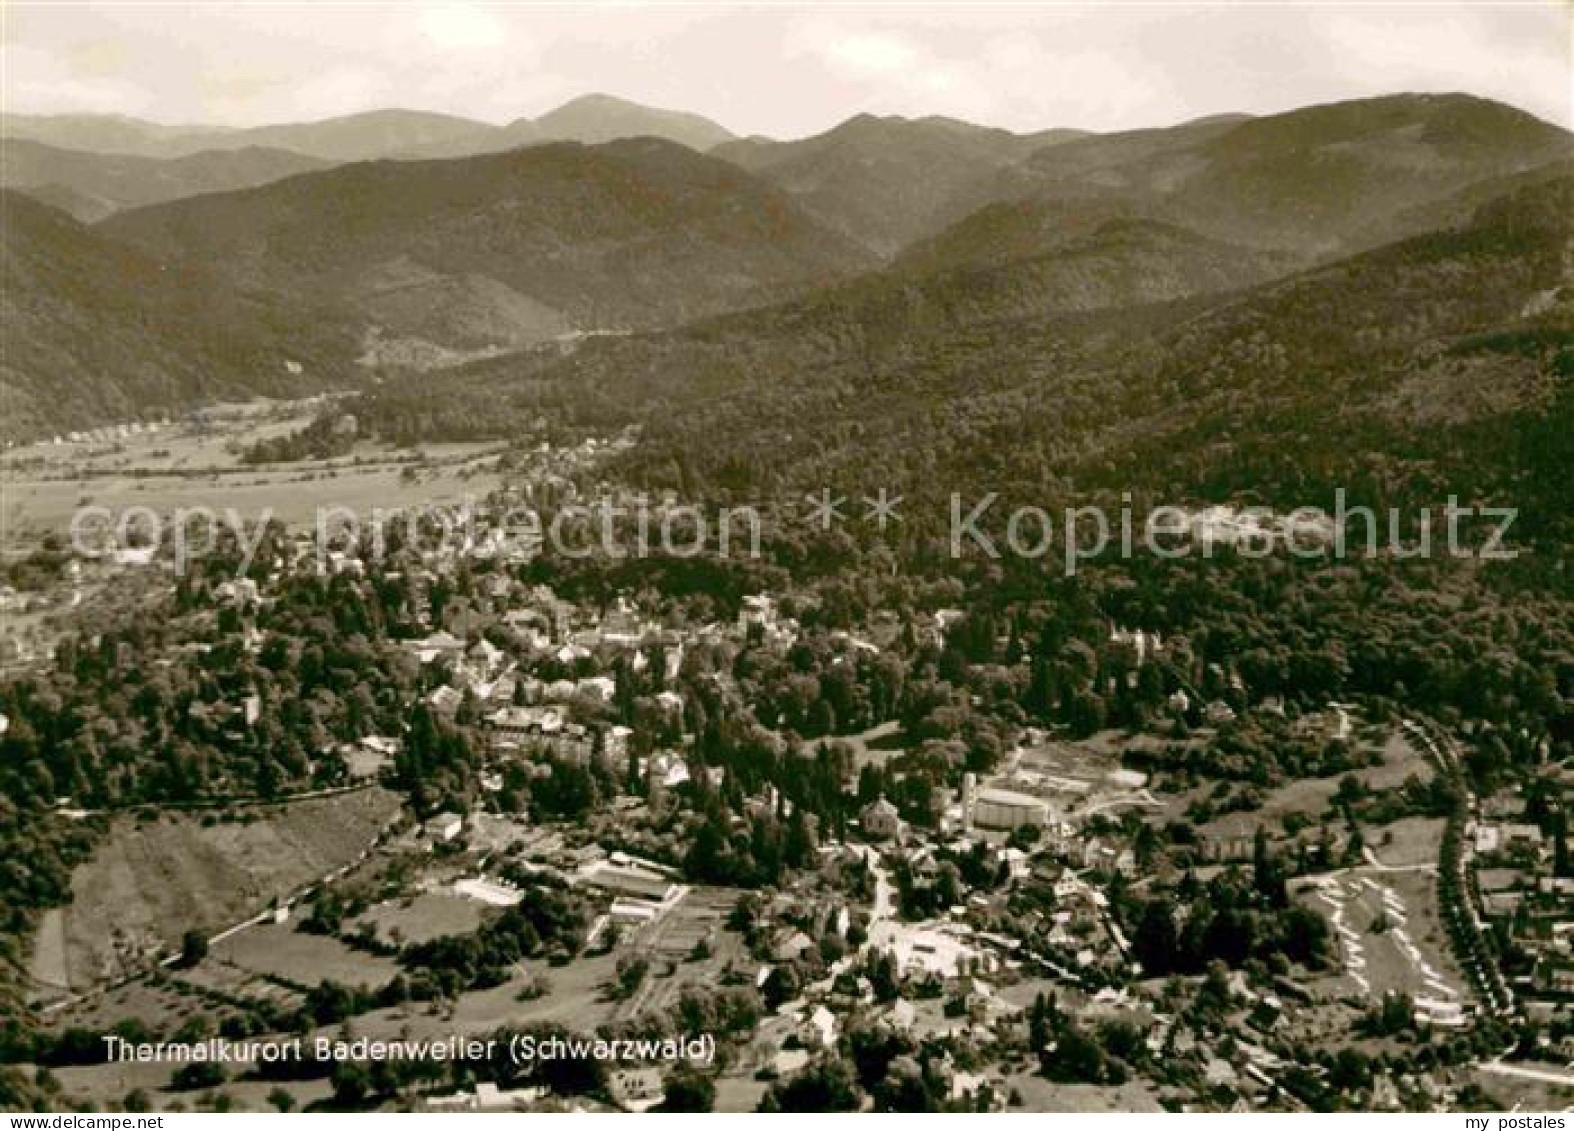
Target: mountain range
94, 165
1321, 180
511, 248
91, 186
914, 226
1438, 364
885, 182
374, 134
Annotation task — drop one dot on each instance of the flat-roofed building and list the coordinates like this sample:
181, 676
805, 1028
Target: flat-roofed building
631, 882
1008, 809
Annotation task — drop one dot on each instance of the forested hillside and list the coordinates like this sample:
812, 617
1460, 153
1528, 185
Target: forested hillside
1440, 363
96, 330
538, 240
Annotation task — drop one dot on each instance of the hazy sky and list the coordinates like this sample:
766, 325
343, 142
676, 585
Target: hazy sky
784, 70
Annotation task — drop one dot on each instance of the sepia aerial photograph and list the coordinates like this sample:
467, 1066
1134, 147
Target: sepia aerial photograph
762, 557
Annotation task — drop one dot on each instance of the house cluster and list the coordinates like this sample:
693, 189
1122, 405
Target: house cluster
1526, 884
956, 975
1048, 894
540, 658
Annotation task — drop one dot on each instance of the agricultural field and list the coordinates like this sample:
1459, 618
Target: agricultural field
157, 1002
218, 980
739, 1093
1039, 1094
1515, 1088
37, 507
198, 463
151, 880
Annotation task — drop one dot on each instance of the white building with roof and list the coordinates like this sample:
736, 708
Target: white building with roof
880, 820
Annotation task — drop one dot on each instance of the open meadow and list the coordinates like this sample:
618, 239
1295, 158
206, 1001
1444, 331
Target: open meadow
200, 462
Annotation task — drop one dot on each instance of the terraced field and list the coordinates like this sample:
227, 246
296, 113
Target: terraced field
152, 880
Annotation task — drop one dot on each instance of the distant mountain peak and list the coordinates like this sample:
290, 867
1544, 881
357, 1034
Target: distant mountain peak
887, 180
597, 99
598, 117
1318, 181
385, 114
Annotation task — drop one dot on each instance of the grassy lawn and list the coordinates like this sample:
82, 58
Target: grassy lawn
1041, 1095
428, 915
277, 950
